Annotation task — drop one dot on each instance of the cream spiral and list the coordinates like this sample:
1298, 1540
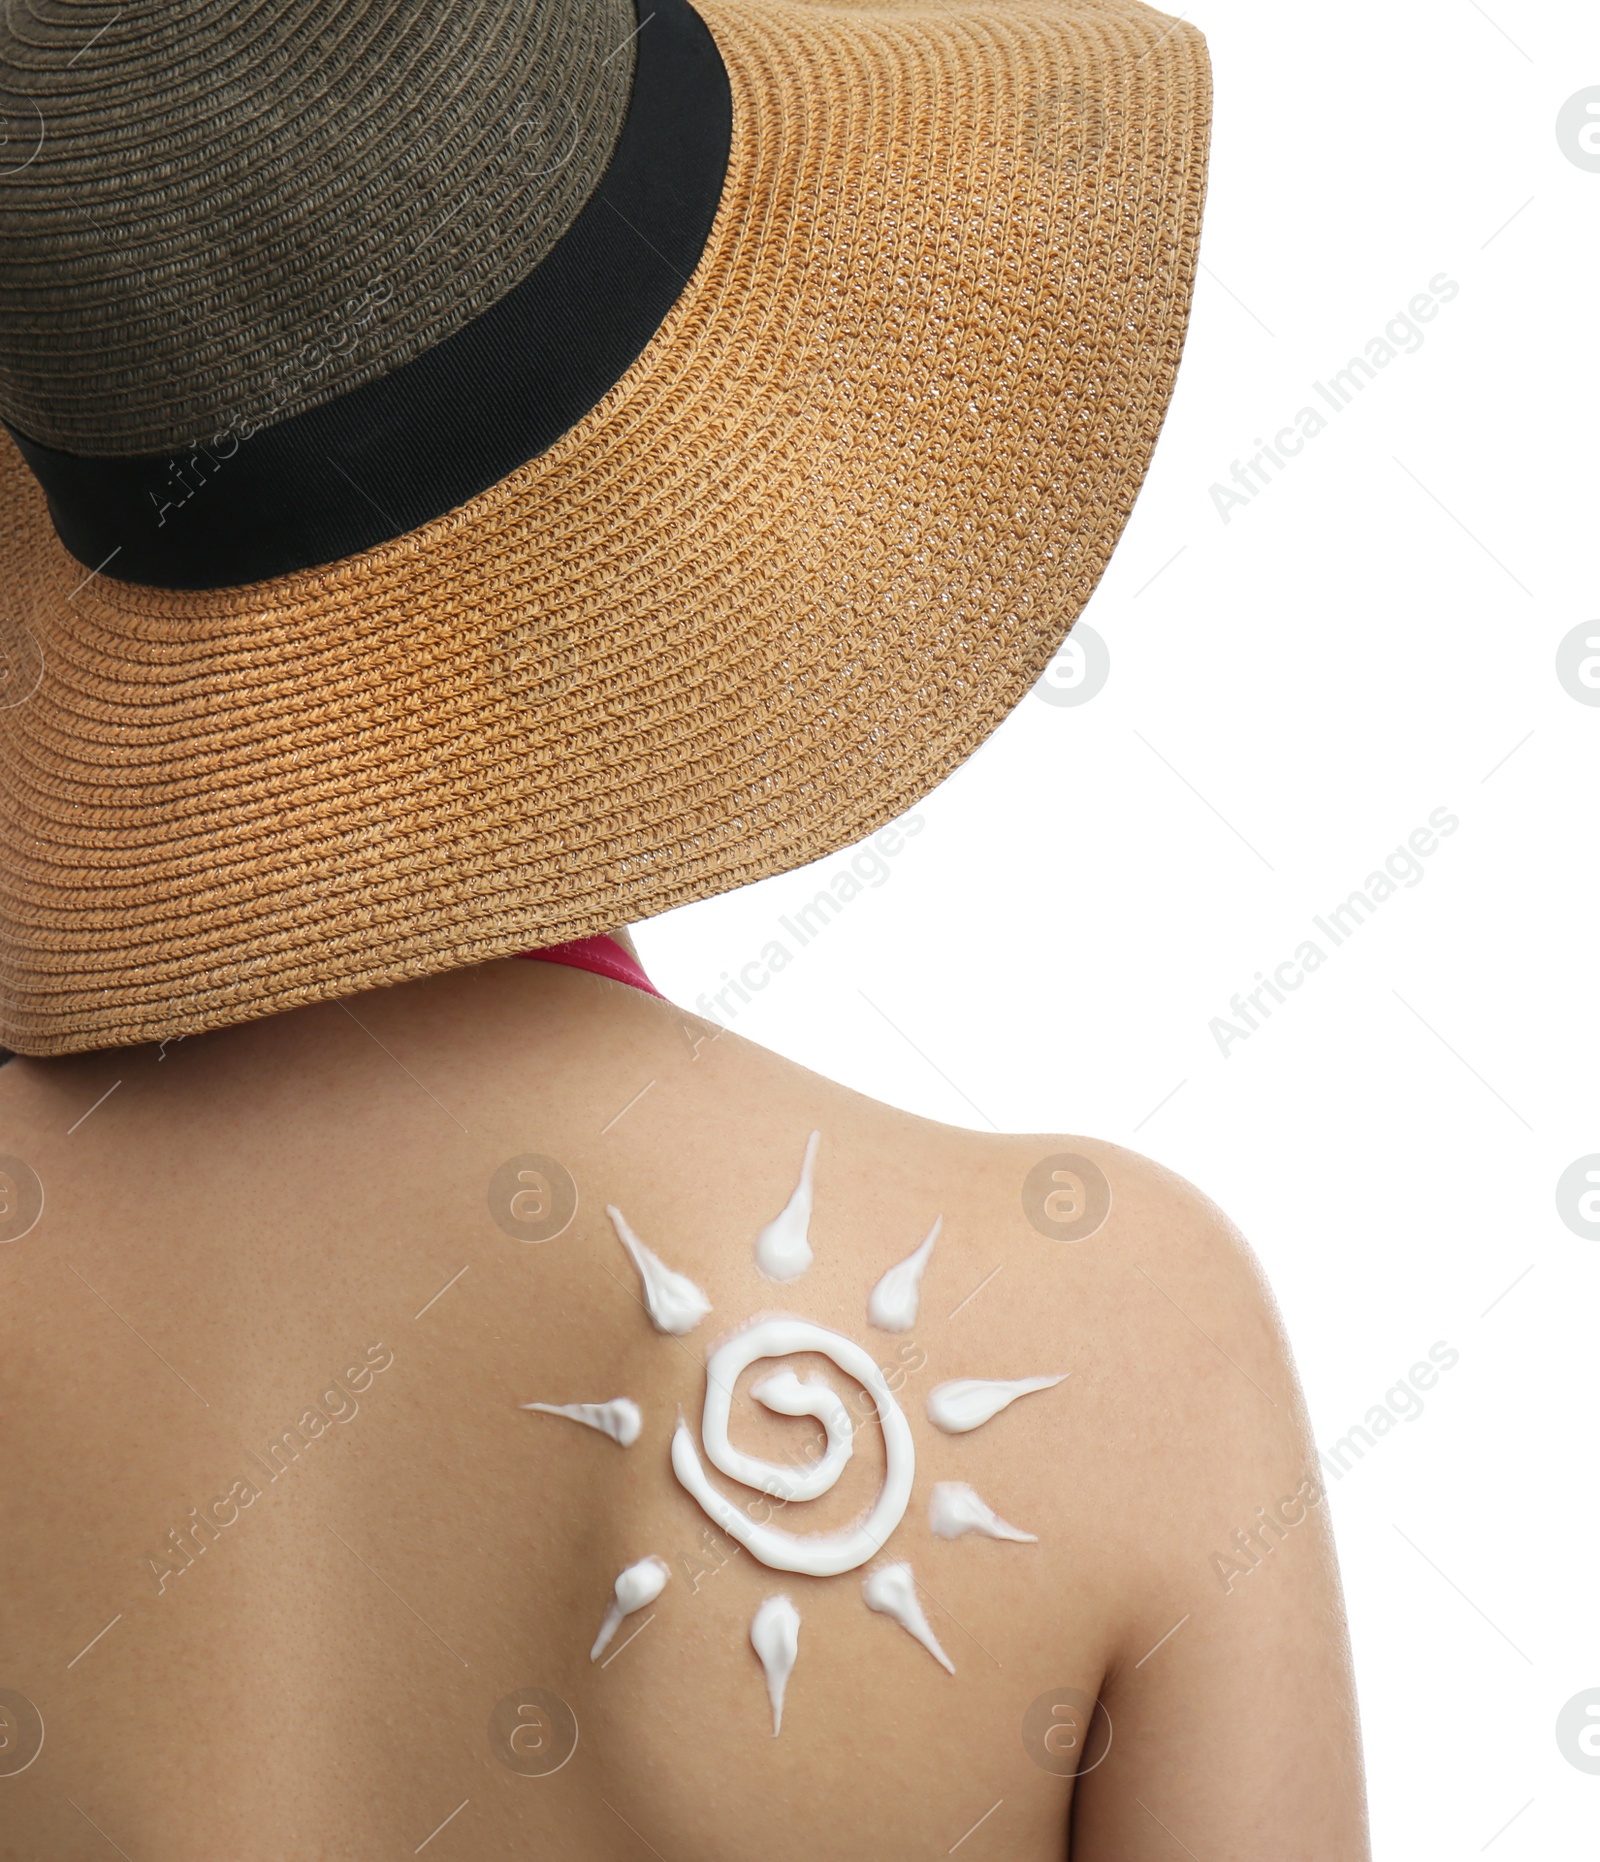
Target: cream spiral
822, 1554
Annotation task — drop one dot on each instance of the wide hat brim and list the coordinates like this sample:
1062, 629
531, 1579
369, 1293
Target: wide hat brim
788, 573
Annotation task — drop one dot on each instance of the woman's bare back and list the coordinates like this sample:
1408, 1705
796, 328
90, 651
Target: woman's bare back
290, 1568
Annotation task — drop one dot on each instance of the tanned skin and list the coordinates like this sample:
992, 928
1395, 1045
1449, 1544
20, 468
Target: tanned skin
269, 1264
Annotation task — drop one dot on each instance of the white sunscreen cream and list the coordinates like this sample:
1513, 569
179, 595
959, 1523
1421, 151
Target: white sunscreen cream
892, 1591
955, 1508
675, 1303
785, 1395
968, 1402
783, 1248
638, 1585
822, 1554
620, 1418
894, 1301
775, 1637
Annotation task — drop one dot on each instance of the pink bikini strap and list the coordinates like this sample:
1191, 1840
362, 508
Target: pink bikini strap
603, 955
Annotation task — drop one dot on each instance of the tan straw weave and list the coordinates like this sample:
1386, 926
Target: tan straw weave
791, 570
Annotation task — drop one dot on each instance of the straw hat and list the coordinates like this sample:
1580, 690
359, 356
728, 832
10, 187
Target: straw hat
482, 472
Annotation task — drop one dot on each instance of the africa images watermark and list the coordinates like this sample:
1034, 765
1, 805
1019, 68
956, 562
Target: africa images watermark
1078, 669
868, 870
1403, 868
185, 1543
1402, 1402
1578, 662
187, 476
1578, 128
1400, 336
1252, 1543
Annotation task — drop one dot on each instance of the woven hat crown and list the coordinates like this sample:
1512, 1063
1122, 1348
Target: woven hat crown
478, 477
215, 214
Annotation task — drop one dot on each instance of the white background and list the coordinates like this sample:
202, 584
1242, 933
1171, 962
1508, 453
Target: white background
1372, 638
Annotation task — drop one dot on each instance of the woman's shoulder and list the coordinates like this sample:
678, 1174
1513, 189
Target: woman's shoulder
1063, 1255
479, 1185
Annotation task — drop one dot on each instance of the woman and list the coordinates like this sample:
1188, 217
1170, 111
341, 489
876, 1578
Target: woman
584, 461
